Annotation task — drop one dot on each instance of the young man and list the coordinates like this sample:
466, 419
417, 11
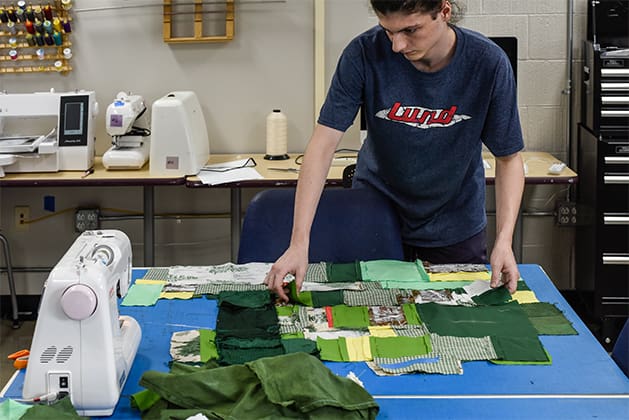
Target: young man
433, 93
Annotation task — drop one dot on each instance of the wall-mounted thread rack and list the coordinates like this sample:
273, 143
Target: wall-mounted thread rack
35, 37
195, 19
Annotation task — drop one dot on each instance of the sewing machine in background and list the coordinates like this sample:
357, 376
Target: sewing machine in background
127, 123
179, 140
47, 131
81, 346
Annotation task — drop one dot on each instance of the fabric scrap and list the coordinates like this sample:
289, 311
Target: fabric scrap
142, 295
548, 319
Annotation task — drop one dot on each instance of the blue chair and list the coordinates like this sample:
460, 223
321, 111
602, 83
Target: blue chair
620, 352
350, 225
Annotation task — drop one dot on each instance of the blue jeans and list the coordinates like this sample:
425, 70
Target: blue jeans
470, 251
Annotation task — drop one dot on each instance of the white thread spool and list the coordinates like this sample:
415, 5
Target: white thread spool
276, 136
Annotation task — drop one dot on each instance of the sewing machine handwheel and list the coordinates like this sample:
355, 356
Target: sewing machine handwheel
79, 302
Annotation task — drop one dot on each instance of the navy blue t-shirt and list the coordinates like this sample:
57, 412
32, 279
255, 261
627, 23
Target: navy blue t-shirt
425, 130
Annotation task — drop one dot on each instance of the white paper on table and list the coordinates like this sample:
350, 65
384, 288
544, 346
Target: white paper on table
224, 172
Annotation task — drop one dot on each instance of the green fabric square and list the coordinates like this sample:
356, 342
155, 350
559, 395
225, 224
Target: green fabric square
394, 274
507, 321
327, 298
207, 345
548, 319
350, 317
410, 312
497, 296
393, 347
305, 298
300, 345
343, 272
330, 349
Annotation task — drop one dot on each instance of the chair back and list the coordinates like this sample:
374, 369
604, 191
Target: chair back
350, 225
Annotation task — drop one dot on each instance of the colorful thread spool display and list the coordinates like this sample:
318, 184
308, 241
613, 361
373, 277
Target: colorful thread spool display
32, 30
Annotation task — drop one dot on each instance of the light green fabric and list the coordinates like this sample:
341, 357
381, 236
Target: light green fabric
330, 349
350, 317
142, 294
12, 410
393, 273
399, 346
412, 317
207, 345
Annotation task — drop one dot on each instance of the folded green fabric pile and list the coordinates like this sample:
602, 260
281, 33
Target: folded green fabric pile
290, 386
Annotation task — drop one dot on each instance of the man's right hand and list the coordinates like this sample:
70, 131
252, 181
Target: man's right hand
294, 261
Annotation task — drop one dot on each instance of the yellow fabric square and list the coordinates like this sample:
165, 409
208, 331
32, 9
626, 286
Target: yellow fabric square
148, 281
358, 348
524, 296
382, 331
176, 295
460, 276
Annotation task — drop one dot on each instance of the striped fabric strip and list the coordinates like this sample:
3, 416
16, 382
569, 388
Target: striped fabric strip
316, 273
372, 295
216, 288
450, 351
156, 274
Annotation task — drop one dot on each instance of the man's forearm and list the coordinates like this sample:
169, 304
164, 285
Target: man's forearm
509, 188
312, 176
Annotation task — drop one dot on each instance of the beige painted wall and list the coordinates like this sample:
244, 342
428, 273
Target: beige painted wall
268, 65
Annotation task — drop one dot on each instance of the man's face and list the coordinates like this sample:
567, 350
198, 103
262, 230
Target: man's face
415, 35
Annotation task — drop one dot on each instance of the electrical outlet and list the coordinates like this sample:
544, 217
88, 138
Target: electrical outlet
86, 219
22, 216
566, 214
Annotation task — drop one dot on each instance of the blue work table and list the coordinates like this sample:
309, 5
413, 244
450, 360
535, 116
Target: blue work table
582, 382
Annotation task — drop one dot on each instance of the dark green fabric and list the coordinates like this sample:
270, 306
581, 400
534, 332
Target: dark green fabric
497, 296
522, 286
291, 386
329, 298
506, 321
548, 319
246, 327
519, 349
60, 410
343, 272
295, 345
248, 299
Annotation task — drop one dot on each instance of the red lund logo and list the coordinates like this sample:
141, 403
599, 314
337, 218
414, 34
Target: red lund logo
420, 117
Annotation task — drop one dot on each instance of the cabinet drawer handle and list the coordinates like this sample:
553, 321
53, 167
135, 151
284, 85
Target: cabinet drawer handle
616, 220
616, 259
614, 72
614, 113
617, 160
616, 179
615, 99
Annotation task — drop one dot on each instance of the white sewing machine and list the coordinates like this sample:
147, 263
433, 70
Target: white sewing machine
127, 123
47, 131
81, 346
179, 141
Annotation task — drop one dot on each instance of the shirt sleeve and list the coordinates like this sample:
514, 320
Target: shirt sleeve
502, 132
345, 95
